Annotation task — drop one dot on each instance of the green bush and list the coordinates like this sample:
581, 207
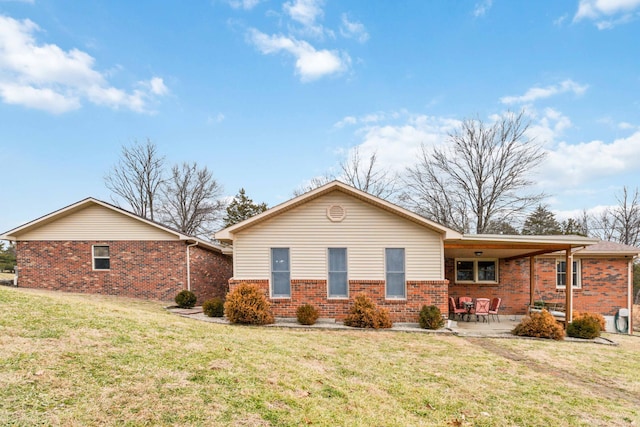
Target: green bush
365, 314
247, 304
307, 314
586, 327
540, 325
430, 317
213, 307
186, 299
594, 316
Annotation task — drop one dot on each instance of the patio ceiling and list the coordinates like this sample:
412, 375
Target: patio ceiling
510, 246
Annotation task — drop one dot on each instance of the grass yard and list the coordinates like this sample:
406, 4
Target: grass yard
87, 360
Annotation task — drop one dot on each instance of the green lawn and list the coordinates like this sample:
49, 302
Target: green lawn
87, 360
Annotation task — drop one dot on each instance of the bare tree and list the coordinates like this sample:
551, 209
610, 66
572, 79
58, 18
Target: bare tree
365, 175
620, 223
137, 178
480, 176
191, 200
368, 176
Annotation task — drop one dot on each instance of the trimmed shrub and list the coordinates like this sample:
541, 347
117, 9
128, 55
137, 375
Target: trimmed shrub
595, 316
539, 325
246, 304
430, 317
307, 314
213, 307
365, 314
186, 299
586, 327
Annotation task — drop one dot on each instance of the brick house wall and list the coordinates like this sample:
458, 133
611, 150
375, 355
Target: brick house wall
604, 285
210, 273
154, 270
314, 292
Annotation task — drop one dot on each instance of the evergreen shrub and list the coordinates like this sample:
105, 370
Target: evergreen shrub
213, 307
539, 325
247, 304
430, 317
186, 299
366, 314
307, 314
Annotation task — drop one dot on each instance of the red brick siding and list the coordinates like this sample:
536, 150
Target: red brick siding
210, 273
604, 285
314, 291
141, 269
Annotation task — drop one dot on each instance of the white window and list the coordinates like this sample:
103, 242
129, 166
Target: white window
338, 285
280, 273
561, 274
394, 269
101, 259
477, 270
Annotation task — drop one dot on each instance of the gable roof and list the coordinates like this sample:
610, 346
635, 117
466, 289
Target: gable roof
226, 235
15, 233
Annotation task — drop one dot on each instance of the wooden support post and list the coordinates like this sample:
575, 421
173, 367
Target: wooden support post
532, 280
568, 315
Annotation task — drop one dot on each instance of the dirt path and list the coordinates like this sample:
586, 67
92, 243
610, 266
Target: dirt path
599, 385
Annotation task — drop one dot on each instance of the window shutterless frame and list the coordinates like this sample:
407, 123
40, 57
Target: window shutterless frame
394, 260
101, 259
561, 274
280, 273
474, 270
338, 284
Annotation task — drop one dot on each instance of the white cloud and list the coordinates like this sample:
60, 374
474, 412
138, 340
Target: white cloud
548, 126
46, 77
482, 7
243, 4
216, 118
573, 165
607, 13
397, 146
305, 12
536, 93
354, 30
311, 64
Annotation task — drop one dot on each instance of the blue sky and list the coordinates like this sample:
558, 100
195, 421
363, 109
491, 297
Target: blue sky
269, 94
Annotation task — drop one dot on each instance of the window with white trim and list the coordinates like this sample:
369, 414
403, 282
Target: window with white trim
395, 275
338, 284
561, 274
101, 258
280, 273
476, 270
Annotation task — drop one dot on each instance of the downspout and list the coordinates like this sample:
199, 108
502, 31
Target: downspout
189, 265
630, 296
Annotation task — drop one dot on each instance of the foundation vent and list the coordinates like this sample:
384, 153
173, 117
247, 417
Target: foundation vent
336, 213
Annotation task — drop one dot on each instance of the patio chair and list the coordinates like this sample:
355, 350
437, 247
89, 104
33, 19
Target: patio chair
453, 310
494, 307
481, 309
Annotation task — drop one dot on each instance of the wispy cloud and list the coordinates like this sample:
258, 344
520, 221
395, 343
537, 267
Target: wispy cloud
536, 93
46, 77
310, 63
608, 13
353, 29
482, 7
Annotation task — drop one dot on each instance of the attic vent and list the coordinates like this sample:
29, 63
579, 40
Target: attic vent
336, 213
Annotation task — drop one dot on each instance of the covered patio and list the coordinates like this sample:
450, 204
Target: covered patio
504, 266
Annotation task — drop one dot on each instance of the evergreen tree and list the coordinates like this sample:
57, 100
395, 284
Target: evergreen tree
541, 221
501, 227
573, 226
241, 208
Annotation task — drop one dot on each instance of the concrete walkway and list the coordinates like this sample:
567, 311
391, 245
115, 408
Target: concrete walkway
474, 329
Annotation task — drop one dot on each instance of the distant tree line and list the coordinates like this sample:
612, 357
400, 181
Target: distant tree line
7, 257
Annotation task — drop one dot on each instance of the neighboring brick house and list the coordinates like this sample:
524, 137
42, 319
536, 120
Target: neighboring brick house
95, 247
335, 242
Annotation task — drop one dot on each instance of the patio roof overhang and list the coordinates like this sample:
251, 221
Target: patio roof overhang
511, 246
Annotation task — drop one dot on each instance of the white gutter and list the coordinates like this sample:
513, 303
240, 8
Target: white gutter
189, 265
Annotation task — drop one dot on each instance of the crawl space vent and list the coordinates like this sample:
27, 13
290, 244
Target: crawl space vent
336, 213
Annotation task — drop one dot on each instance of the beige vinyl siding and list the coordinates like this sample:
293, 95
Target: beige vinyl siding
96, 222
365, 232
